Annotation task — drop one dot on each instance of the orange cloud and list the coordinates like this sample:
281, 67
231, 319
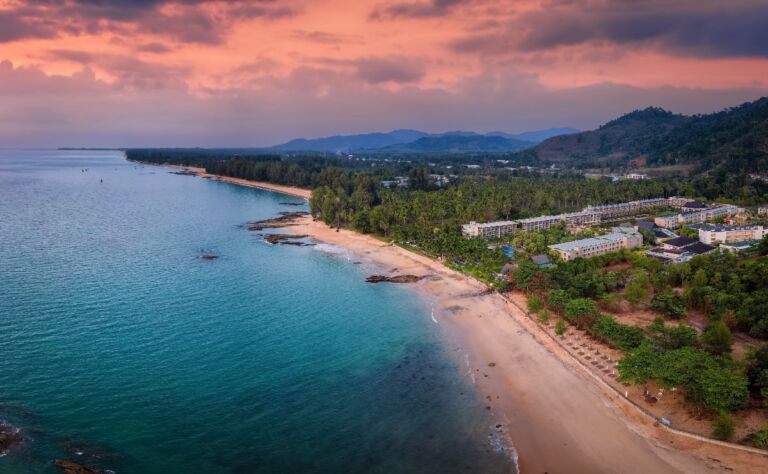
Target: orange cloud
294, 55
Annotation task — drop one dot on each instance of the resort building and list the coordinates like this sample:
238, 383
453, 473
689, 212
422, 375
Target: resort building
597, 245
636, 176
679, 250
676, 201
672, 222
542, 261
762, 211
611, 211
489, 230
731, 233
692, 206
678, 243
534, 224
583, 218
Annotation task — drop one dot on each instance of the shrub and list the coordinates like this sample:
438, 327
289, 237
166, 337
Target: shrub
544, 316
618, 335
669, 304
560, 327
611, 302
637, 291
557, 299
759, 439
534, 304
673, 337
718, 338
723, 426
581, 311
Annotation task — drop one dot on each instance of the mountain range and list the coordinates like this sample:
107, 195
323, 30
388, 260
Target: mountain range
415, 141
735, 139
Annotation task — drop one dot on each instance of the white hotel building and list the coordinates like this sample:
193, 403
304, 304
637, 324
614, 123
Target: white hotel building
489, 230
591, 247
731, 233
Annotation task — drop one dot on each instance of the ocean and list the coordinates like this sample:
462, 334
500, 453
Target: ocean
123, 350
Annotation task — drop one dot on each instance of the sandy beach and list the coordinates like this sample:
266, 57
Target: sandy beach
555, 414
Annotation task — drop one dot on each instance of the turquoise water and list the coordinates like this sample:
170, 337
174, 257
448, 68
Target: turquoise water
119, 348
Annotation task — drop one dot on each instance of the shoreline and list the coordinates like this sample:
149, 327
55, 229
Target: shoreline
278, 188
557, 417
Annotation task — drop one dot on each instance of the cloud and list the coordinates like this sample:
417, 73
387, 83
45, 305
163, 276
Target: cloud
128, 72
153, 47
423, 9
699, 29
188, 21
51, 110
17, 25
398, 70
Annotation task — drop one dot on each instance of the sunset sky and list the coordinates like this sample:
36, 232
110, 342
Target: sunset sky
251, 73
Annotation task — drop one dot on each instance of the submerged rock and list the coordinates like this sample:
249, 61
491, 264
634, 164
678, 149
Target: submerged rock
286, 239
394, 279
71, 467
9, 437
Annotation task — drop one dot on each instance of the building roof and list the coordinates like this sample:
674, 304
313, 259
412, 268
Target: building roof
695, 205
588, 242
571, 246
540, 259
725, 228
699, 248
680, 241
701, 225
667, 251
645, 225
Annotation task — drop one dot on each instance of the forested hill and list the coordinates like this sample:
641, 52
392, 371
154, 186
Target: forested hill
451, 143
735, 139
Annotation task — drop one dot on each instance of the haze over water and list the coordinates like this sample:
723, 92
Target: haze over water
118, 342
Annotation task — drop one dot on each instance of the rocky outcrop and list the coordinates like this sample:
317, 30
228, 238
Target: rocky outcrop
71, 467
286, 239
286, 219
9, 437
394, 279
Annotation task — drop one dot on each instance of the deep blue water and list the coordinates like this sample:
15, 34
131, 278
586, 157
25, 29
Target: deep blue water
117, 342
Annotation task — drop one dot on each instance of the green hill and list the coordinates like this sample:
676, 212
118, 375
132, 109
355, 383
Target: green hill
735, 139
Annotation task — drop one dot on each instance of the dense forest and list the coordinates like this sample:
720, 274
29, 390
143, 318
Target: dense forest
734, 140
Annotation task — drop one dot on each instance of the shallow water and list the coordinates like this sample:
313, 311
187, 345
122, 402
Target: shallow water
121, 349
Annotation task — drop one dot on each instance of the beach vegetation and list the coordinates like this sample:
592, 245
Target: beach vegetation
759, 438
723, 427
560, 327
717, 337
582, 312
534, 303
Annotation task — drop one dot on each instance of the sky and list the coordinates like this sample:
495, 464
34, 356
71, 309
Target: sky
252, 73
